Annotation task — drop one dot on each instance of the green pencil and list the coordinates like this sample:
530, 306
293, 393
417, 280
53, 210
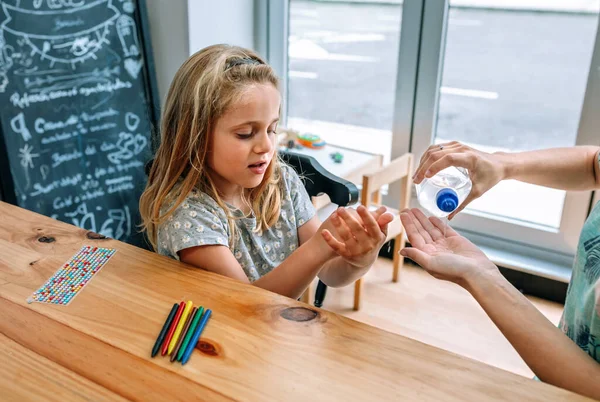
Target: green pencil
189, 333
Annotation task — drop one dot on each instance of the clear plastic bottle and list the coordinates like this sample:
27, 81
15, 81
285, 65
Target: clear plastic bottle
444, 192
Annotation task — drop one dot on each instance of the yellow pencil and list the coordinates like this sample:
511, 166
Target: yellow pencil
186, 312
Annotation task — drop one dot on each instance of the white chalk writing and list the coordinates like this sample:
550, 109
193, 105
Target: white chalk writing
58, 159
58, 137
64, 182
26, 99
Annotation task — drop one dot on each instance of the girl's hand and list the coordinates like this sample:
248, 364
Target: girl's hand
441, 251
357, 235
485, 169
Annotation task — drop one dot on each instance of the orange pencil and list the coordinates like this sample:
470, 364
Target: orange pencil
167, 340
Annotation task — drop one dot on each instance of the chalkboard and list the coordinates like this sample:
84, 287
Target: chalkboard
78, 109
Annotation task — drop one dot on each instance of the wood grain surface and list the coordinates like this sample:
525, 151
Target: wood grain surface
257, 346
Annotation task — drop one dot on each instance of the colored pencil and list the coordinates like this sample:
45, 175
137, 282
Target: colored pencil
180, 324
165, 345
183, 333
190, 332
163, 331
195, 337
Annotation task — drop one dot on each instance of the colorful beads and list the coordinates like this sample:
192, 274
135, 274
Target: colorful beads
68, 281
310, 141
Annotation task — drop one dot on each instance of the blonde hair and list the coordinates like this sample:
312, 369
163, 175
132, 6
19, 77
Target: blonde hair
201, 92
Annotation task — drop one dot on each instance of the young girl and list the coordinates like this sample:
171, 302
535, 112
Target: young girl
219, 198
568, 357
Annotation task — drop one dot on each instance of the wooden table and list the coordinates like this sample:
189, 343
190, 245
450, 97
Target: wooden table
257, 346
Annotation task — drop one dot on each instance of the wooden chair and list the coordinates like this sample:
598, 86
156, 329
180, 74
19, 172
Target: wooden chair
400, 169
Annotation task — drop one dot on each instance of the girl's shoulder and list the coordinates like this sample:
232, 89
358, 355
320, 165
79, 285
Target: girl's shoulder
198, 203
291, 183
287, 171
289, 177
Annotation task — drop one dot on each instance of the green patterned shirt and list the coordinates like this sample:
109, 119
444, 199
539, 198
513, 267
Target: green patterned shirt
581, 316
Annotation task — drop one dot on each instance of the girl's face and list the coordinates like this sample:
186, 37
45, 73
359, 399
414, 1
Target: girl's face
243, 141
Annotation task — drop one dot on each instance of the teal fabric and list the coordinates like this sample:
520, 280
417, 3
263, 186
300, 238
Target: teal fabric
581, 316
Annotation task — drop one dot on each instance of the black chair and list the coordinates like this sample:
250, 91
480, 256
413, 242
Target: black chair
317, 181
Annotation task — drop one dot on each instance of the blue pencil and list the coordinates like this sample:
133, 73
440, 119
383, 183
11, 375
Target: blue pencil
195, 337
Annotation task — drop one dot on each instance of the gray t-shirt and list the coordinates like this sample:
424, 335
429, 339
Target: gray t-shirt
199, 221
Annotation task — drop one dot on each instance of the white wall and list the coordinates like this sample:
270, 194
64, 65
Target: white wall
179, 28
220, 21
170, 40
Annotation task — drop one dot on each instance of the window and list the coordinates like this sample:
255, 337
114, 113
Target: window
342, 72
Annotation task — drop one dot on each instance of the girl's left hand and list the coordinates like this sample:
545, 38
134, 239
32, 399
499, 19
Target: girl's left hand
361, 234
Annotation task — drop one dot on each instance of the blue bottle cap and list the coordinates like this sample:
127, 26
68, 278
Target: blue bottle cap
447, 200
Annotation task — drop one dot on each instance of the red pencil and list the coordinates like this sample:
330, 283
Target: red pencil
167, 340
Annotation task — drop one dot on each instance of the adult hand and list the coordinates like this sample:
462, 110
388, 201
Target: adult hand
485, 169
442, 252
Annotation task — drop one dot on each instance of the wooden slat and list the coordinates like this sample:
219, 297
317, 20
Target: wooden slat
398, 169
24, 375
257, 346
391, 172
